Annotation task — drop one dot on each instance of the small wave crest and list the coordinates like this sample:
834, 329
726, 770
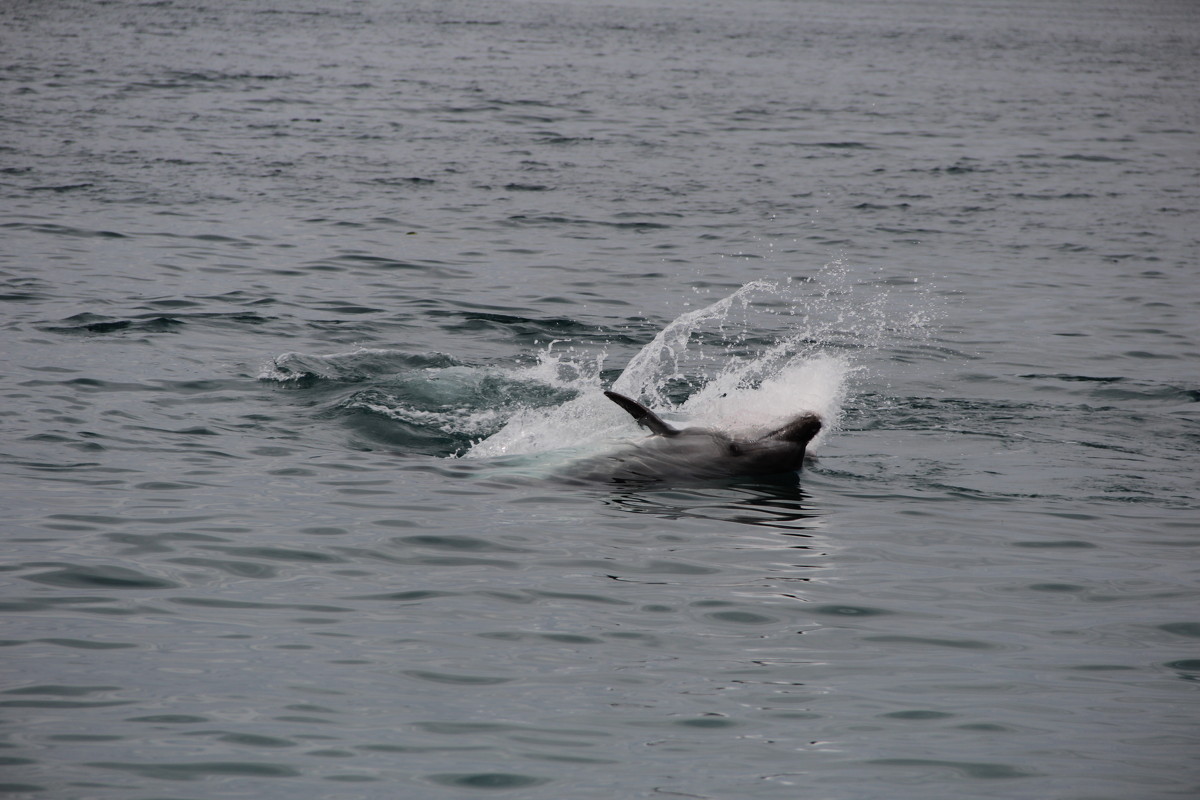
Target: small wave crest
352, 367
428, 403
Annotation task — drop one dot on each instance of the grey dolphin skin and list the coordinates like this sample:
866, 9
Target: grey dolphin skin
703, 454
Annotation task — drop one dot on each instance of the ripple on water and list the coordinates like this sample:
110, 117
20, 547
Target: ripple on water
502, 781
927, 768
192, 771
1190, 629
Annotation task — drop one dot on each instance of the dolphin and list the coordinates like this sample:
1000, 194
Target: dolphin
700, 454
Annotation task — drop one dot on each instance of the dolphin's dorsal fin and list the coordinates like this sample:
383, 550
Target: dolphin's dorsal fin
644, 416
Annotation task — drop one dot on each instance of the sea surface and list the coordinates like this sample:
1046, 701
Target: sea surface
307, 311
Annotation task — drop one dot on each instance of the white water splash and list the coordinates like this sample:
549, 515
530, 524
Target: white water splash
588, 418
811, 331
645, 373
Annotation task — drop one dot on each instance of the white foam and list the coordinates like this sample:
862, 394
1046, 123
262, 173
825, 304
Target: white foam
806, 368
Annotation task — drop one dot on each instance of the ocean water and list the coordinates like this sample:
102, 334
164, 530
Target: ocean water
308, 308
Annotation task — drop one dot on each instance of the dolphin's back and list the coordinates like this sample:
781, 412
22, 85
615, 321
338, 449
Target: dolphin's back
700, 453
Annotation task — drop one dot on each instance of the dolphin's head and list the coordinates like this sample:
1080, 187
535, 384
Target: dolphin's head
800, 430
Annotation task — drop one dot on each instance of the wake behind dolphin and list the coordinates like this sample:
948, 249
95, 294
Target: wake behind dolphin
698, 454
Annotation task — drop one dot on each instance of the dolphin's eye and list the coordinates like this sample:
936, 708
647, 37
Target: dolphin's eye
735, 449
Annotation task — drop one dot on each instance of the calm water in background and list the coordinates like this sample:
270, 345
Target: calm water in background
268, 268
